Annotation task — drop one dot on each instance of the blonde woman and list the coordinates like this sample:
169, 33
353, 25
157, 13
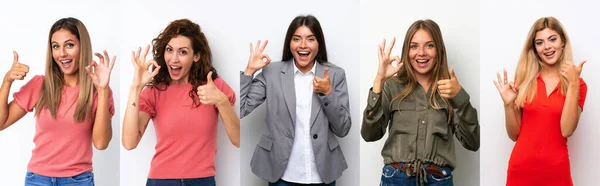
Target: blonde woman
423, 107
542, 106
73, 109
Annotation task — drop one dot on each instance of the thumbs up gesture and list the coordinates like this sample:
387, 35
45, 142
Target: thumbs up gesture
322, 85
17, 70
571, 72
209, 94
448, 88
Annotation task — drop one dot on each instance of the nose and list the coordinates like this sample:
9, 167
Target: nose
63, 52
303, 44
174, 58
421, 51
547, 45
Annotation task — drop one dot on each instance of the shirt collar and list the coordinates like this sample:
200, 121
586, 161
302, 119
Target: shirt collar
296, 70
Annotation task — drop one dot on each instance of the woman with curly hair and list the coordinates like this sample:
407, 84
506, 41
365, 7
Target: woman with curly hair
183, 96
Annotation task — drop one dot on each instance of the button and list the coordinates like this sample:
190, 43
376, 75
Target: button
425, 108
326, 104
374, 98
422, 121
315, 136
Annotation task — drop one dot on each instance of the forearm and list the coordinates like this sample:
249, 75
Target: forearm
513, 124
571, 111
231, 121
465, 121
131, 134
102, 131
4, 91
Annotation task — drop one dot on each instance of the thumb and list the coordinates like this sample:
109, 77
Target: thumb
581, 64
452, 75
209, 79
326, 73
16, 57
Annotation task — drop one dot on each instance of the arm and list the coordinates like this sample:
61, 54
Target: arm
252, 92
134, 122
102, 130
512, 117
571, 110
465, 122
9, 112
230, 121
336, 106
376, 115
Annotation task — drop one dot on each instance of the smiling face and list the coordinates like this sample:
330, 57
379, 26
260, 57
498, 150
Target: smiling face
304, 48
179, 57
65, 51
422, 52
548, 46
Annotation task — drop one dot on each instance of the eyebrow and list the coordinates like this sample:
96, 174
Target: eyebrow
418, 43
68, 40
553, 35
178, 48
306, 36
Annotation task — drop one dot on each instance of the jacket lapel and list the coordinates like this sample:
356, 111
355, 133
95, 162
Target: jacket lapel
288, 88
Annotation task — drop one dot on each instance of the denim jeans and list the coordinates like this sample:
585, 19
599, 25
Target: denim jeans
83, 179
208, 181
395, 177
285, 183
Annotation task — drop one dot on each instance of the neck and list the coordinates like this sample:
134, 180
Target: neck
181, 81
423, 80
71, 80
304, 70
549, 70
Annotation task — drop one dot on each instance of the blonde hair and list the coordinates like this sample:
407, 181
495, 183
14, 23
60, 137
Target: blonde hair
53, 80
530, 62
439, 70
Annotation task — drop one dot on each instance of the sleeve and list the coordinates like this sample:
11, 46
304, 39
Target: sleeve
253, 92
29, 94
582, 93
464, 119
376, 115
337, 105
224, 87
147, 101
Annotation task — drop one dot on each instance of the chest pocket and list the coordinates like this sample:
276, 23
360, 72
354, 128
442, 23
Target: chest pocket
403, 117
439, 121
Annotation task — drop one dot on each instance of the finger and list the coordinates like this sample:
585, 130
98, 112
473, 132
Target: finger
145, 53
444, 86
137, 54
389, 49
112, 64
100, 56
133, 61
251, 48
399, 66
15, 57
257, 46
89, 71
500, 79
445, 96
262, 48
505, 76
443, 82
496, 84
512, 86
24, 67
155, 71
107, 57
580, 66
452, 75
209, 79
326, 73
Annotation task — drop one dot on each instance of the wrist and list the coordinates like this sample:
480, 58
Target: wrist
223, 102
249, 71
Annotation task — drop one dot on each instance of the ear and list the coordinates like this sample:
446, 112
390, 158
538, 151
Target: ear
197, 57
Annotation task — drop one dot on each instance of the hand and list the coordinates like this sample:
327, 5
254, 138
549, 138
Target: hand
17, 70
322, 85
257, 60
449, 87
141, 75
508, 91
101, 73
209, 94
571, 72
386, 67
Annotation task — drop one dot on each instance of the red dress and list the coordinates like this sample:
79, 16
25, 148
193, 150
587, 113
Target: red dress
540, 156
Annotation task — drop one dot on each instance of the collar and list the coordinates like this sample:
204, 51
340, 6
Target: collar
296, 70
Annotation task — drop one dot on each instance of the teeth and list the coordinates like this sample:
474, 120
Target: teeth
174, 67
66, 61
549, 54
303, 53
422, 60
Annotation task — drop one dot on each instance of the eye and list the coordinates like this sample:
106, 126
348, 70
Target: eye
553, 39
183, 52
538, 43
414, 47
312, 39
70, 45
169, 49
55, 46
295, 39
430, 46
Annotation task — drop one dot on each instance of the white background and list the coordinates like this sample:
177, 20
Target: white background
459, 23
502, 38
25, 29
270, 20
142, 21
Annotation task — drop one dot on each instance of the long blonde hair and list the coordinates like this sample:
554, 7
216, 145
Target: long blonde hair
439, 70
530, 62
53, 80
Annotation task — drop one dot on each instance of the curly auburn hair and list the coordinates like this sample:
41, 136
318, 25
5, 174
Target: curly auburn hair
199, 70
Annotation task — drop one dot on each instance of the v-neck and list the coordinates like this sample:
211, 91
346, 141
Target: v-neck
546, 88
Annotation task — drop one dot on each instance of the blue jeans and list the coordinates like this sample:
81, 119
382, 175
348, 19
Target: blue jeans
208, 181
83, 179
394, 177
285, 183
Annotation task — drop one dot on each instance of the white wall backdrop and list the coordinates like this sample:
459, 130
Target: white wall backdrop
269, 20
459, 23
502, 38
25, 28
142, 21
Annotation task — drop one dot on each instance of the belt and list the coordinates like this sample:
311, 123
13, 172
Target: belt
409, 170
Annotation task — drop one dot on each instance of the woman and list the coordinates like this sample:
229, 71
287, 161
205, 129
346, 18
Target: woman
424, 106
183, 99
307, 109
72, 109
542, 107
